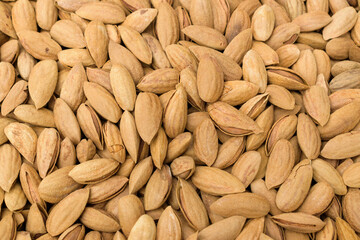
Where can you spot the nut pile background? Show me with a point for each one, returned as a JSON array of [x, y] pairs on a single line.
[[180, 119]]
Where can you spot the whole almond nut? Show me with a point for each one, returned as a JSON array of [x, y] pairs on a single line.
[[146, 105], [16, 96], [99, 220], [7, 73], [123, 87], [6, 25], [139, 47], [210, 79], [227, 228], [38, 45], [328, 230], [72, 88], [293, 191], [8, 226], [130, 135], [23, 16], [66, 122], [159, 81], [349, 204], [284, 128], [323, 171], [239, 45], [42, 82], [140, 19], [25, 62], [286, 33], [206, 36], [339, 147], [263, 22], [342, 21], [158, 148], [299, 222], [318, 109], [57, 185], [342, 81], [344, 230], [96, 94], [254, 70], [46, 14], [175, 112], [280, 164], [306, 67], [338, 48], [188, 79], [256, 105], [312, 21], [343, 115], [351, 176], [232, 70], [10, 51], [97, 42], [67, 211], [105, 169], [130, 209], [94, 10], [158, 188], [184, 21], [239, 21], [308, 137], [252, 229], [180, 57], [253, 205], [178, 146], [229, 152], [265, 120], [121, 55], [205, 178], [36, 222], [201, 13], [140, 175], [231, 121], [287, 78], [246, 167], [238, 92], [144, 228], [71, 57], [30, 180], [47, 149], [11, 162], [168, 225], [167, 26], [23, 138], [107, 189], [38, 117], [288, 55], [189, 201], [280, 97], [321, 191], [268, 55]]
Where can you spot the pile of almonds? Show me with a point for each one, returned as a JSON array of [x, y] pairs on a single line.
[[180, 119]]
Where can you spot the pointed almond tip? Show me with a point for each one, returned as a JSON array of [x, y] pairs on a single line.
[[131, 190], [258, 130], [268, 185]]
